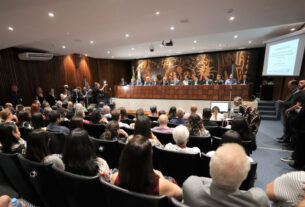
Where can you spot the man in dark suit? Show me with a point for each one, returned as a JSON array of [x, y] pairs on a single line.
[[206, 116], [76, 95], [147, 81], [123, 82], [207, 80], [98, 93], [195, 81], [164, 81], [244, 80], [15, 98]]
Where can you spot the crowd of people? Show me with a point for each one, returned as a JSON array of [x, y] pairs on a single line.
[[194, 80], [229, 164]]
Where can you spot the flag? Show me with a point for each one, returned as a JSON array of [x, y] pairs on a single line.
[[133, 76], [139, 74]]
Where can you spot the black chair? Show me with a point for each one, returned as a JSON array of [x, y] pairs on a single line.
[[65, 123], [42, 178], [203, 143], [94, 130], [205, 165], [57, 142], [247, 146], [108, 150], [216, 131], [154, 124], [164, 138], [88, 117], [172, 125], [176, 203], [79, 190], [177, 164], [116, 196], [250, 180], [129, 131], [219, 123], [24, 132], [215, 142], [12, 170], [127, 121], [6, 188], [121, 146], [153, 118], [131, 116]]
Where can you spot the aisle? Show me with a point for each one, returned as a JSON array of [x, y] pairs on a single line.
[[269, 152]]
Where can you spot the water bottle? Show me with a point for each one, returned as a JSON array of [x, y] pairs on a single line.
[[15, 202]]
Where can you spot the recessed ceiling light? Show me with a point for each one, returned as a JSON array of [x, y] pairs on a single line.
[[126, 35], [63, 47], [108, 52], [249, 41], [161, 45], [193, 48], [132, 48], [231, 18], [51, 14], [112, 56], [292, 29], [86, 55], [91, 42], [235, 36], [157, 13], [10, 28], [195, 41], [172, 28], [219, 45]]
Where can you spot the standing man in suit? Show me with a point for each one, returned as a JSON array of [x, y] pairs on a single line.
[[244, 80], [15, 98], [98, 93]]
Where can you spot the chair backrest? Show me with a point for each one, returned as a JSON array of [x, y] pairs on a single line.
[[154, 124], [250, 180], [121, 145], [176, 203], [205, 165], [117, 196], [94, 130], [80, 191], [24, 132], [153, 118], [215, 142], [129, 131], [164, 138], [172, 125], [131, 116], [88, 117], [11, 168], [65, 123], [216, 130], [127, 121], [42, 179], [247, 146], [177, 165], [203, 143], [57, 142], [219, 123], [108, 150]]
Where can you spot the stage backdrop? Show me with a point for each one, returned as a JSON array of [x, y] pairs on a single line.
[[245, 61]]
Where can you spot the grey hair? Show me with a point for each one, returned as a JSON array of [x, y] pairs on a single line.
[[181, 134]]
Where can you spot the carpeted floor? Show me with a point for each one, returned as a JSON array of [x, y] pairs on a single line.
[[269, 153]]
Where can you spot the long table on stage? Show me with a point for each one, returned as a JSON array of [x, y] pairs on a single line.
[[199, 92]]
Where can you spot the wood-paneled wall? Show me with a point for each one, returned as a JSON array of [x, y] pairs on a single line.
[[68, 69]]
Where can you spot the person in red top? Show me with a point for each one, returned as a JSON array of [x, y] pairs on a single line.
[[136, 171]]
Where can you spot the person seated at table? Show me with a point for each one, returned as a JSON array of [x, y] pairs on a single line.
[[163, 128], [244, 80], [139, 82], [207, 80], [123, 82], [231, 80], [195, 126], [181, 138], [175, 81], [147, 81], [179, 119], [186, 80], [216, 115], [206, 117], [155, 82], [195, 81], [136, 171], [218, 80], [164, 81], [133, 82]]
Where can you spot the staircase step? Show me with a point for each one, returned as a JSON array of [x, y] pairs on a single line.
[[266, 112], [266, 108], [269, 117]]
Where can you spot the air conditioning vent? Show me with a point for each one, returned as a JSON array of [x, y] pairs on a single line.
[[35, 56]]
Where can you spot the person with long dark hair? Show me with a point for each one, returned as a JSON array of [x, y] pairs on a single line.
[[172, 112], [79, 157], [195, 126], [10, 139], [143, 127], [37, 120], [38, 149], [113, 131], [136, 171]]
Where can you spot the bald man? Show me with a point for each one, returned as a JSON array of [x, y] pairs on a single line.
[[179, 120], [193, 110], [163, 128], [229, 167]]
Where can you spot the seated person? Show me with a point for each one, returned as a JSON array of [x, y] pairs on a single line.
[[195, 126], [96, 117], [175, 81], [24, 119], [7, 116], [288, 189], [164, 81], [195, 81], [207, 80], [142, 127], [79, 157], [229, 136], [133, 82], [10, 139], [153, 111], [206, 116], [116, 116], [6, 201], [244, 80], [76, 122], [161, 112], [147, 81], [106, 111], [136, 171], [113, 131], [179, 119], [186, 81], [193, 110], [229, 167], [181, 137], [216, 115], [55, 119], [37, 121], [231, 80], [123, 82], [81, 114], [38, 149], [163, 128], [139, 82], [218, 80]]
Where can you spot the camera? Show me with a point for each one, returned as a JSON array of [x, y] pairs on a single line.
[[105, 83]]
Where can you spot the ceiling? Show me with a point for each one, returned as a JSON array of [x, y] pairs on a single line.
[[77, 22]]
